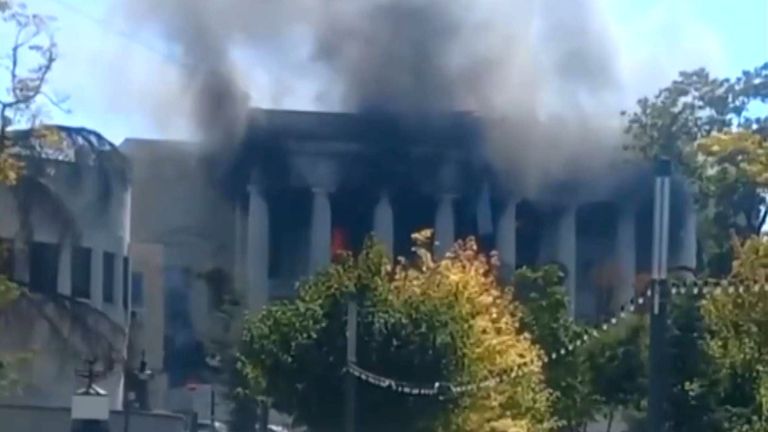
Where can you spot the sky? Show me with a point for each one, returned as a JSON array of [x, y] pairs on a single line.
[[104, 63]]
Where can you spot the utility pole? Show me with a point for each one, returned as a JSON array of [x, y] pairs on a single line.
[[350, 389], [659, 363]]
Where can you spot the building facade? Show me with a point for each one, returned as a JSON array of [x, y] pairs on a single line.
[[65, 229], [302, 185]]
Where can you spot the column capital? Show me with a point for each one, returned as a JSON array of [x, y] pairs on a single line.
[[511, 199], [254, 187], [568, 209]]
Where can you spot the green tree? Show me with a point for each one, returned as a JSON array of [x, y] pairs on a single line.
[[706, 126], [422, 321], [604, 377], [737, 339], [547, 318]]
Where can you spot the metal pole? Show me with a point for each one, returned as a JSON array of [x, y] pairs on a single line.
[[264, 415], [350, 388], [658, 367], [127, 414], [213, 407]]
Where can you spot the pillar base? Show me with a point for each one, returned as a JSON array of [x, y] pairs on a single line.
[[89, 426]]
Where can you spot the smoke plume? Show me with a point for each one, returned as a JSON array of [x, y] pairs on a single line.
[[541, 73]]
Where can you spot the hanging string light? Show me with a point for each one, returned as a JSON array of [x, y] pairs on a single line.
[[695, 287]]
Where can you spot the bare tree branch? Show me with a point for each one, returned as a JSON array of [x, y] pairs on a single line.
[[57, 103], [22, 95]]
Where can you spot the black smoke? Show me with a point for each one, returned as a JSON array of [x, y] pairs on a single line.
[[541, 73]]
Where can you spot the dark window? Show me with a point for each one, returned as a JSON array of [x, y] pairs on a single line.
[[289, 224], [137, 289], [6, 258], [43, 267], [126, 278], [81, 272], [108, 275]]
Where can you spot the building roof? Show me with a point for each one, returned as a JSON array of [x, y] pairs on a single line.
[[58, 142], [449, 129]]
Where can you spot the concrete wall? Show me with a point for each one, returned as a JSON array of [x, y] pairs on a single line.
[[27, 418], [148, 323], [60, 332], [104, 224], [176, 206], [179, 212], [57, 339]]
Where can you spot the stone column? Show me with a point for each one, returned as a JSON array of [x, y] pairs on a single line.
[[383, 223], [64, 276], [320, 231], [625, 252], [97, 276], [565, 252], [445, 230], [257, 261], [506, 236]]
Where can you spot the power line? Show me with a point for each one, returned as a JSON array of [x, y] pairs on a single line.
[[104, 25]]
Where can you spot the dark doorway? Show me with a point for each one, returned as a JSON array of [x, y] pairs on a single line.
[[412, 212], [529, 232], [597, 275], [351, 219], [290, 213]]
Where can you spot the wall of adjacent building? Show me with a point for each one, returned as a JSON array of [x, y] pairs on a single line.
[[179, 212], [48, 327], [24, 418], [148, 323]]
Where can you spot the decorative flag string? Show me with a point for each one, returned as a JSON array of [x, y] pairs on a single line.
[[704, 287]]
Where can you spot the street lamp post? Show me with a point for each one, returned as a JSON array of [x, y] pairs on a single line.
[[350, 384], [90, 405], [657, 380]]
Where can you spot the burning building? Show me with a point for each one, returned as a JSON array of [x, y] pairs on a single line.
[[304, 185]]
